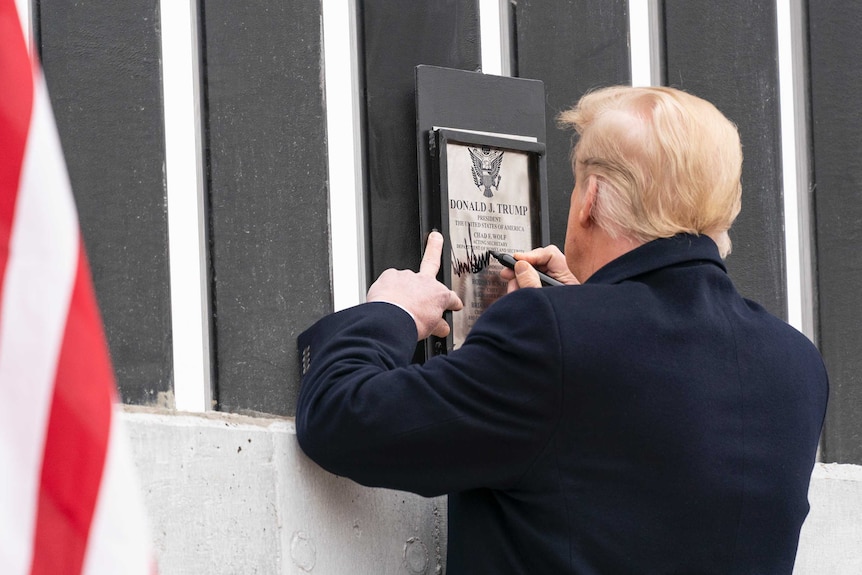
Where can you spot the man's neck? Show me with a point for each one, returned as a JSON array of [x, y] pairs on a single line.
[[602, 249]]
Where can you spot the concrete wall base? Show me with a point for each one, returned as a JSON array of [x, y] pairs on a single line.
[[831, 538], [235, 495]]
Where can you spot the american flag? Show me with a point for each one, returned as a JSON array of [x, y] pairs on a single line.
[[69, 498]]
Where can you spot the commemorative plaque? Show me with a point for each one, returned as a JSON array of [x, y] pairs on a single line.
[[482, 182], [491, 200]]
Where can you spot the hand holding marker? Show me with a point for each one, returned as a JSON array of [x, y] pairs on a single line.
[[508, 261]]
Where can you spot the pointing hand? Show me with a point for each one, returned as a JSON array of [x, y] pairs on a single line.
[[419, 293]]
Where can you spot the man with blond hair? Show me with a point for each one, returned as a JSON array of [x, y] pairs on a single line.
[[644, 418]]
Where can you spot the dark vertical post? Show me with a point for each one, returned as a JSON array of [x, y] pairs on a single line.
[[266, 151], [727, 53], [396, 37], [836, 98], [572, 46], [102, 64]]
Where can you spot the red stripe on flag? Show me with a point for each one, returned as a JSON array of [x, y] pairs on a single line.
[[16, 105], [77, 437], [72, 504]]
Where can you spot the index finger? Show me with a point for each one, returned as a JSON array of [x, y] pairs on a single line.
[[431, 258], [536, 257]]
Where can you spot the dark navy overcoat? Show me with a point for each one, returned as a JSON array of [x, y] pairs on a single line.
[[649, 421]]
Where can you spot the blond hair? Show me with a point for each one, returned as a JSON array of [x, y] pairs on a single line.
[[666, 162]]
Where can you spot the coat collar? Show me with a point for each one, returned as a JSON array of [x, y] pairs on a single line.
[[658, 254]]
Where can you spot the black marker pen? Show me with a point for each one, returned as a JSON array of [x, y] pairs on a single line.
[[508, 261]]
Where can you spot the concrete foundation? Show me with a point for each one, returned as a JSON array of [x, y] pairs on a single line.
[[831, 538], [235, 495]]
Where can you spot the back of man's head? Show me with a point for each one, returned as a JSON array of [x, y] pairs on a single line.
[[666, 162]]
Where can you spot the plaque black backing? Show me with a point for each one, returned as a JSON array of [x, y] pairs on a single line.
[[461, 100]]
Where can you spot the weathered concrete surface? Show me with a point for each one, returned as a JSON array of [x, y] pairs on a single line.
[[235, 496], [831, 538]]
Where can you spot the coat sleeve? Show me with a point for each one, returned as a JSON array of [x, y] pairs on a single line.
[[478, 417]]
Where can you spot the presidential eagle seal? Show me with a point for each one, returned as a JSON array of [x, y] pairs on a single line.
[[486, 169]]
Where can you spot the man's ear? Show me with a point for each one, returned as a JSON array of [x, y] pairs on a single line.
[[585, 214]]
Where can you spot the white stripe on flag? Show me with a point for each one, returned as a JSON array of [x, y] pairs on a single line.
[[119, 535], [37, 289]]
